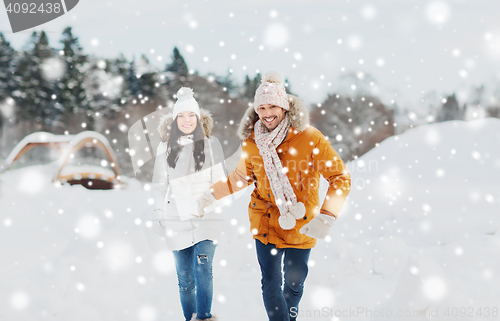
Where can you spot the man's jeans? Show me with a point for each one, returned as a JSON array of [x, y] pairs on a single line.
[[194, 272], [282, 305]]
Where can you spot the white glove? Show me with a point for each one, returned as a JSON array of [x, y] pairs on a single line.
[[206, 203], [158, 221], [318, 227]]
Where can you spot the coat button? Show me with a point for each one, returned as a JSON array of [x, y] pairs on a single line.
[[268, 195], [305, 217], [253, 205], [264, 235]]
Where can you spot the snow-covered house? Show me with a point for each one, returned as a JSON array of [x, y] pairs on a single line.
[[85, 158]]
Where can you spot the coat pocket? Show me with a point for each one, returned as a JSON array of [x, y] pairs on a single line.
[[257, 212]]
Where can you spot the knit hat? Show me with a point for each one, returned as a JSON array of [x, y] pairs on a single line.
[[185, 102], [271, 92]]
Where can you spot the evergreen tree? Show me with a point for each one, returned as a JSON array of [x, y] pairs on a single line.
[[71, 92], [450, 110], [147, 78], [247, 87], [7, 63], [256, 82], [178, 65], [94, 86], [250, 86], [35, 94], [119, 67], [288, 87], [104, 88], [131, 80], [227, 82]]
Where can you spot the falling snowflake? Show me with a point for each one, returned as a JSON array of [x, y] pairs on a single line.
[[163, 262], [354, 42], [32, 182], [437, 12], [434, 288], [53, 69], [147, 313], [19, 300], [322, 297], [369, 12], [117, 255], [88, 226], [276, 36]]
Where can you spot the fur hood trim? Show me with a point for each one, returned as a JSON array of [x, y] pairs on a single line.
[[166, 123], [298, 114]]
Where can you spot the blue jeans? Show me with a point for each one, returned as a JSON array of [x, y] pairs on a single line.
[[282, 304], [194, 273]]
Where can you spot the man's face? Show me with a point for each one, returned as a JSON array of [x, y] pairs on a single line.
[[270, 115]]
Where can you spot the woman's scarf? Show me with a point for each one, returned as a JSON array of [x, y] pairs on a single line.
[[185, 139]]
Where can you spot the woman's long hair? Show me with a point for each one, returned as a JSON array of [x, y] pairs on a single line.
[[174, 147]]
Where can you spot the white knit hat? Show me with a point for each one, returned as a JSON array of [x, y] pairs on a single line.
[[271, 92], [185, 102]]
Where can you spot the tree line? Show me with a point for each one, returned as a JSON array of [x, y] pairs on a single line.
[[62, 89]]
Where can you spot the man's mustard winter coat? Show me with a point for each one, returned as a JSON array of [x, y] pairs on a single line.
[[305, 154]]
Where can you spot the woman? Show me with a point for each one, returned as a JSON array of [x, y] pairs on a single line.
[[188, 162]]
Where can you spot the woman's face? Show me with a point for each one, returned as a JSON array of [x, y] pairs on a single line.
[[186, 121]]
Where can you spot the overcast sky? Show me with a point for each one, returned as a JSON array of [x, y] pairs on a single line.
[[407, 46]]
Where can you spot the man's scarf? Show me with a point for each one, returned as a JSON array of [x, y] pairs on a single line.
[[267, 142]]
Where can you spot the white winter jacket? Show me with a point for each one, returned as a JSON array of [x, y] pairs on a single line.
[[176, 190]]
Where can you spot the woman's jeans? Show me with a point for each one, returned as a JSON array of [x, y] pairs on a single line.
[[194, 273], [282, 304]]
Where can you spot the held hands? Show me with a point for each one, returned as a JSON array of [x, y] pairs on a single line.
[[319, 226], [206, 203]]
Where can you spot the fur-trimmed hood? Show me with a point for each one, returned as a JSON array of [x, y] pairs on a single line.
[[167, 120], [298, 115]]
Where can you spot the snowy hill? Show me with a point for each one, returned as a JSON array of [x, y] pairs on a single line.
[[419, 232]]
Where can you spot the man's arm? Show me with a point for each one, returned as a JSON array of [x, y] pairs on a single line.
[[237, 180], [333, 169]]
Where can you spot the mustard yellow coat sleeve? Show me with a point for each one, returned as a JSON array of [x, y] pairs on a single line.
[[238, 179], [332, 168]]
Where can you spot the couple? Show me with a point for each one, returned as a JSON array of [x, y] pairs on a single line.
[[284, 157]]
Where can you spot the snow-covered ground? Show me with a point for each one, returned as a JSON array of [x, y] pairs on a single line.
[[419, 232]]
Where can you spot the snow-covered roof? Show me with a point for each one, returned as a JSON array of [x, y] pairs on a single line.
[[70, 144], [80, 140], [36, 138]]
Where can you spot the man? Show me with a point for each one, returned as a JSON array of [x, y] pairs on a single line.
[[284, 156]]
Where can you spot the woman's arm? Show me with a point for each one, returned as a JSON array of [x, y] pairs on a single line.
[[218, 166], [160, 181]]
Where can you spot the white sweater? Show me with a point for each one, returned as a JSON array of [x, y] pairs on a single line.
[[175, 191]]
